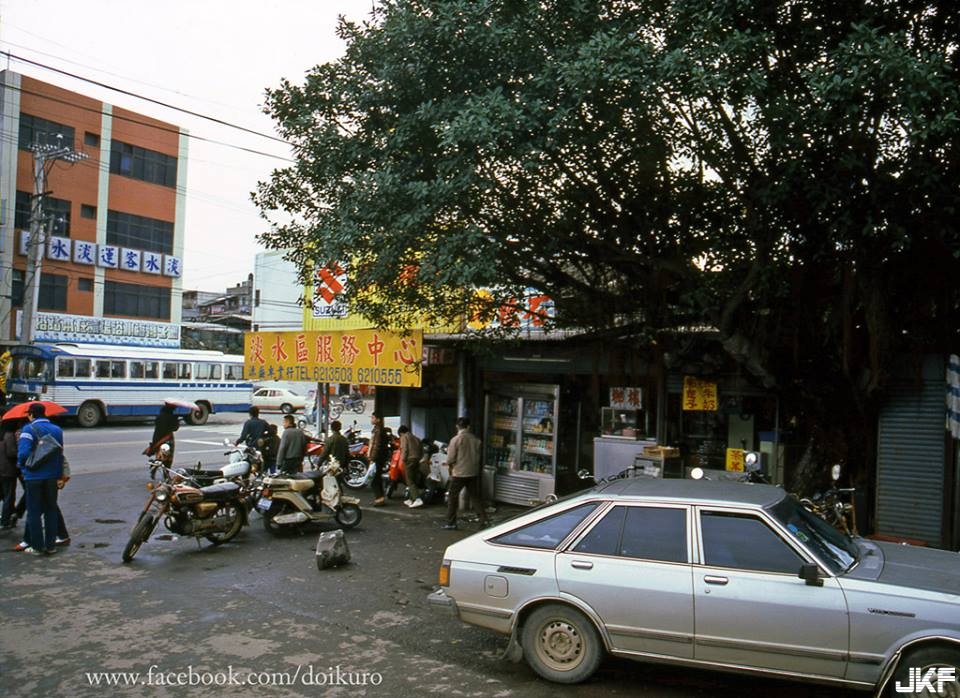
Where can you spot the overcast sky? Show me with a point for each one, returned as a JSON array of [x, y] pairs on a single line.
[[213, 57]]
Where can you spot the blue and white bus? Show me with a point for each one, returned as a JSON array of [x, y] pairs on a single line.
[[96, 382]]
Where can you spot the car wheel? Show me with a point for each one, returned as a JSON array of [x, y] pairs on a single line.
[[561, 644], [286, 408], [927, 659]]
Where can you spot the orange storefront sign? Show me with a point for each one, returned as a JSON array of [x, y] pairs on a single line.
[[361, 357]]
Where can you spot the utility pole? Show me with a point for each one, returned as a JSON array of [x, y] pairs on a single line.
[[44, 157]]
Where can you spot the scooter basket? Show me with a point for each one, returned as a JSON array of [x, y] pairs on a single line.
[[332, 550]]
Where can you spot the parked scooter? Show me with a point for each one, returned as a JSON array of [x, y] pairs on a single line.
[[216, 512], [313, 496], [836, 505]]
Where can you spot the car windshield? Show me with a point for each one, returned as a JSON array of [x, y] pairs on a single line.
[[834, 548]]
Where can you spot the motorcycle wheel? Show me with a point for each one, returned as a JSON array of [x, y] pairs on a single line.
[[228, 510], [277, 509], [358, 407], [139, 535], [355, 474], [335, 410], [349, 515]]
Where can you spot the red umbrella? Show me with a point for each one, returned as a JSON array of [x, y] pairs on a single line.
[[178, 402], [19, 411]]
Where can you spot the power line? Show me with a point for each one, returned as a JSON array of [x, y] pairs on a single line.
[[147, 99]]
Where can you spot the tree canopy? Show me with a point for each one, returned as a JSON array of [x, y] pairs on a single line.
[[783, 171]]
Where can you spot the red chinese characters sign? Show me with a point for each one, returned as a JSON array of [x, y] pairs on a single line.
[[361, 357], [699, 394]]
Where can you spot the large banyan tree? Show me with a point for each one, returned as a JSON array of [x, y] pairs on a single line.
[[785, 172]]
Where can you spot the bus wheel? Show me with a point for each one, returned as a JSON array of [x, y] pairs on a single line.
[[199, 415], [89, 414]]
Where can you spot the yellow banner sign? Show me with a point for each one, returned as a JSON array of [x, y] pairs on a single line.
[[359, 357], [735, 460], [699, 394]]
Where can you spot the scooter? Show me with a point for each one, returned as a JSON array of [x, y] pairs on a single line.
[[313, 496], [216, 512]]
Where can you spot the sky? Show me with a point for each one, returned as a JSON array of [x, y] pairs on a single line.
[[212, 57]]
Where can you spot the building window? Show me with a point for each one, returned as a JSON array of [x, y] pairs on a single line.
[[88, 211], [37, 131], [56, 212], [53, 292], [140, 163], [139, 232], [16, 290], [91, 139], [135, 300], [84, 284]]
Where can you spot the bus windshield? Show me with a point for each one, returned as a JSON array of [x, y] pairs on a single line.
[[27, 368]]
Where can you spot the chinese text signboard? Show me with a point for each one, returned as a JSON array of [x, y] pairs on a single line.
[[360, 357], [735, 461], [626, 398], [699, 395]]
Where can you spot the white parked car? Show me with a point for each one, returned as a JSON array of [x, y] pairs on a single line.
[[273, 399]]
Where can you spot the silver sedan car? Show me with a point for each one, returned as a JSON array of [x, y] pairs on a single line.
[[722, 575]]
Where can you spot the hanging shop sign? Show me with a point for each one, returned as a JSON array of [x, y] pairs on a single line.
[[60, 327], [735, 460], [361, 357], [699, 395], [60, 249], [626, 398]]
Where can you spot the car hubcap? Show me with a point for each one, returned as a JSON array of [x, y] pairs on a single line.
[[561, 646]]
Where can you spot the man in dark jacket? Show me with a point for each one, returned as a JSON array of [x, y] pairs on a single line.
[[8, 474], [254, 429], [293, 444], [40, 482], [336, 445]]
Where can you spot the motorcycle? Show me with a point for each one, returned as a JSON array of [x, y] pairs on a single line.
[[352, 402], [836, 505], [216, 512], [312, 496]]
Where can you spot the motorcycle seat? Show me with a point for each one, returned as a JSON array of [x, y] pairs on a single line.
[[314, 475], [220, 492]]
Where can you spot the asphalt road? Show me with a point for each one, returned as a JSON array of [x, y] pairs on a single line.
[[255, 617]]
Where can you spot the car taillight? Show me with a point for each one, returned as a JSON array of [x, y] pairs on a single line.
[[445, 574]]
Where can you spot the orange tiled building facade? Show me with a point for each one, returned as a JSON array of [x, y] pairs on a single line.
[[112, 222]]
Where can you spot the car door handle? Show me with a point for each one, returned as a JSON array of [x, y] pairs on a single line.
[[719, 581], [582, 565]]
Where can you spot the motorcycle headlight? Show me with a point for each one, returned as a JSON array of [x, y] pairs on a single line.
[[161, 496]]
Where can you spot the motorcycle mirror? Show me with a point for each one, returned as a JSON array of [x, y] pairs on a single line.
[[697, 473], [584, 474], [226, 442], [835, 472], [751, 461]]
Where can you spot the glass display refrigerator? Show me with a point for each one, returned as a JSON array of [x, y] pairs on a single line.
[[520, 441]]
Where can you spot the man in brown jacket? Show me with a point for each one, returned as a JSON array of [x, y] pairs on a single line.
[[463, 460]]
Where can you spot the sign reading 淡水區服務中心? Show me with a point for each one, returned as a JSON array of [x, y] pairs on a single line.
[[361, 357]]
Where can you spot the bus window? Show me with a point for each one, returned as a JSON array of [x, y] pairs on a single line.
[[82, 368], [151, 369], [207, 371], [118, 369], [185, 371], [136, 369], [169, 371], [65, 368], [234, 372], [103, 368]]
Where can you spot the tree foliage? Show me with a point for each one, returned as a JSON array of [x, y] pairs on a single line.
[[783, 171]]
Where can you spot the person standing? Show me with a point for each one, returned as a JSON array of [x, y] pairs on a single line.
[[377, 452], [254, 429], [293, 444], [337, 446], [411, 450], [271, 444], [8, 474], [463, 460], [166, 423], [40, 482]]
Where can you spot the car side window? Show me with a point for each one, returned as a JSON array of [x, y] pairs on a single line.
[[645, 533], [745, 542], [655, 533], [550, 532], [604, 537]]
